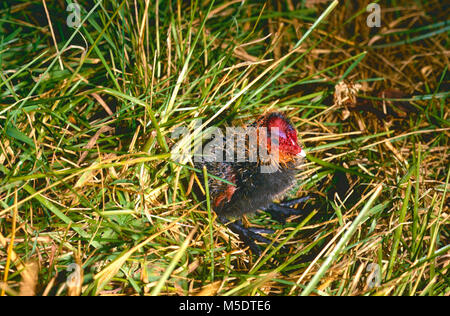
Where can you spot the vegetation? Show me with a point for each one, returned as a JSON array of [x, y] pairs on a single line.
[[87, 179]]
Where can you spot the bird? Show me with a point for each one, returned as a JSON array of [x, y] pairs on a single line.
[[253, 184]]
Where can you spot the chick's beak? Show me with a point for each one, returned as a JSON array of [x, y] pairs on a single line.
[[301, 154]]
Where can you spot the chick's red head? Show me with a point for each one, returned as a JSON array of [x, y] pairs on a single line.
[[280, 127]]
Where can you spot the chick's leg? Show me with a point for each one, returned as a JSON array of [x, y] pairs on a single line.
[[248, 235], [283, 210]]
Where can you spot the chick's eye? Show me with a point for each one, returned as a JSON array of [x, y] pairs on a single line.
[[278, 133]]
